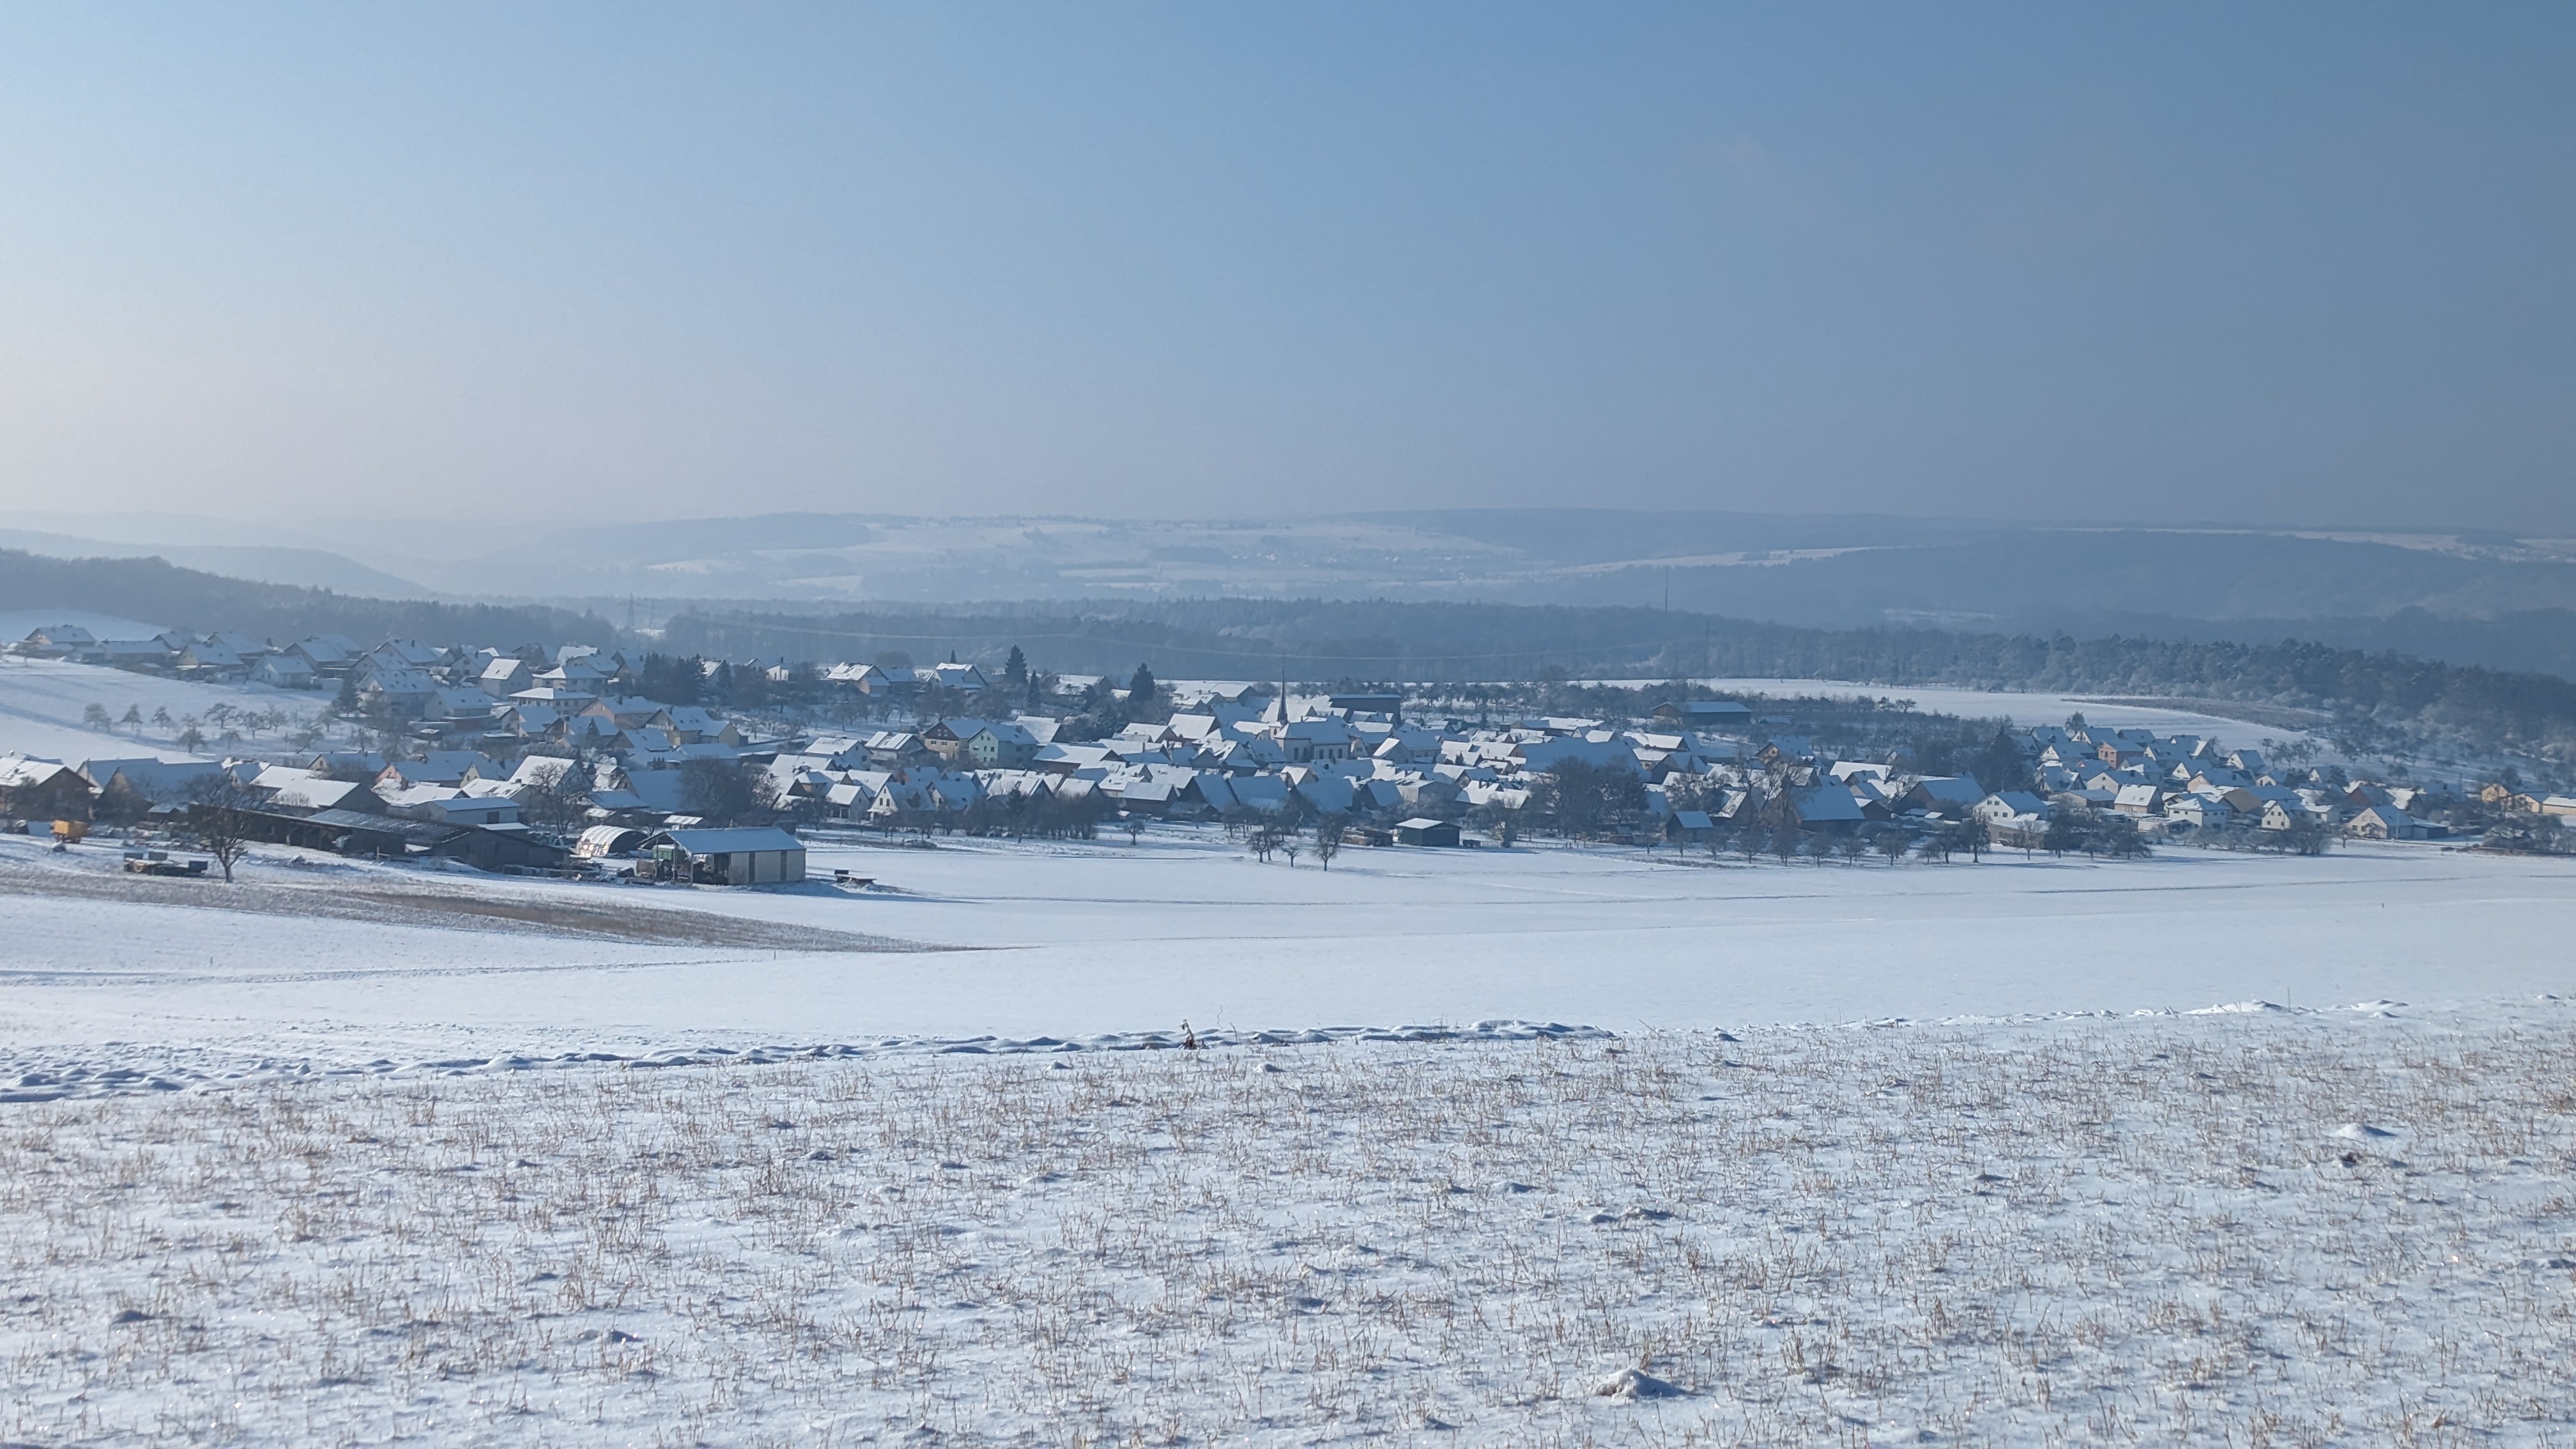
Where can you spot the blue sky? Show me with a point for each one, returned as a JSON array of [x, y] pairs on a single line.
[[2294, 265]]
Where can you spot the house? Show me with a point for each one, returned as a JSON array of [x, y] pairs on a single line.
[[348, 764], [143, 655], [2012, 809], [43, 790], [849, 800], [61, 641], [1328, 794], [409, 654], [947, 738], [2289, 810], [285, 671], [1689, 826], [460, 706], [1826, 807], [575, 675], [879, 681], [754, 855], [1423, 830], [327, 654], [505, 676], [205, 659], [439, 767], [965, 678], [2201, 811], [1261, 794], [2384, 822], [2141, 800], [1001, 746], [1538, 757], [1948, 796], [399, 693], [696, 726]]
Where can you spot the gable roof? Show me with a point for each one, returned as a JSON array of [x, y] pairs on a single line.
[[708, 841]]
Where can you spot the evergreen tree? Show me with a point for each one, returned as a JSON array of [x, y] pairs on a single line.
[[1141, 688]]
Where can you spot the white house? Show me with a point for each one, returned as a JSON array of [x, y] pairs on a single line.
[[2012, 809], [284, 671], [2383, 822]]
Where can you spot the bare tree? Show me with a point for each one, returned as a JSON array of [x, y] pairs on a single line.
[[1328, 838], [554, 797], [219, 810], [716, 791]]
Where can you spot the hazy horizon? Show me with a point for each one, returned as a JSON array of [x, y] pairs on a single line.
[[2303, 268]]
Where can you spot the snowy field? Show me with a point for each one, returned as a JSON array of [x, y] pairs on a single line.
[[2283, 1228], [2021, 707], [1109, 938], [41, 702], [17, 624], [2203, 1148]]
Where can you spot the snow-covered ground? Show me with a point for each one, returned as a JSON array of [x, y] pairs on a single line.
[[2241, 1228], [1080, 940], [2019, 706], [2004, 1152], [42, 700], [17, 624]]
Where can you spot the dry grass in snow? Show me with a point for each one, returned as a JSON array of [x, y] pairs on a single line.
[[2328, 1228]]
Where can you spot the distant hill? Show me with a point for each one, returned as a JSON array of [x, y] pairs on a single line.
[[2372, 696], [1833, 572], [310, 568], [152, 588]]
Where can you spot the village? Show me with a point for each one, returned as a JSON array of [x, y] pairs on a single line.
[[581, 761]]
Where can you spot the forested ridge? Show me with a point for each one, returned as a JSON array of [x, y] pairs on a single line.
[[159, 592], [2366, 693]]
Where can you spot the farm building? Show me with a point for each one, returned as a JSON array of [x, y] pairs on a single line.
[[1426, 831], [750, 855]]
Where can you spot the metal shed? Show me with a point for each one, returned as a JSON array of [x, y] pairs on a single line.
[[746, 855]]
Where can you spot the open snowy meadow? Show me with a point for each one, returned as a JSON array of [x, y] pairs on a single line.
[[2238, 1228], [1542, 1145]]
